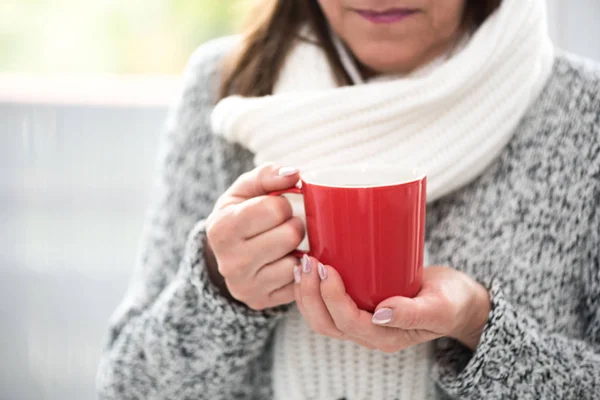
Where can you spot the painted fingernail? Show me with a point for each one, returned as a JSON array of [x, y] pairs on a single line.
[[322, 271], [287, 171], [306, 264], [382, 316], [297, 274]]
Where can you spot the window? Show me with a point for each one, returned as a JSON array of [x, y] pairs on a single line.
[[108, 36], [84, 85]]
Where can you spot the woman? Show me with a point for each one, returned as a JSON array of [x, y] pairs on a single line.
[[472, 91]]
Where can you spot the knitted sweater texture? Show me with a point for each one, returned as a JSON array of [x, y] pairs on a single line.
[[528, 228]]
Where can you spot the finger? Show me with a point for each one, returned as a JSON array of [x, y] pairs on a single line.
[[433, 308], [248, 257], [261, 181], [276, 243], [300, 305], [314, 309], [259, 214], [357, 324], [423, 313], [276, 275], [297, 288], [346, 315], [284, 295]]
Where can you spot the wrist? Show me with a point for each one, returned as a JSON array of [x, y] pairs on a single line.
[[212, 268], [470, 331]]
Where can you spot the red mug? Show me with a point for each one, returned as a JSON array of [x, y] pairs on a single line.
[[369, 224]]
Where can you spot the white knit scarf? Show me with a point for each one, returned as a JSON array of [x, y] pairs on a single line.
[[450, 119]]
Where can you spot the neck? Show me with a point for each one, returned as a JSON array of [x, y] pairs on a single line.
[[446, 48]]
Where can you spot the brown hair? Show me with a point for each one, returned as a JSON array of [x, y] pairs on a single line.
[[272, 27]]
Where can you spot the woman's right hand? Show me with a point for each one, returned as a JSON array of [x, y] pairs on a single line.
[[250, 237]]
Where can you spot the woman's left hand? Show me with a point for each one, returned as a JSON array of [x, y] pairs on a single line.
[[450, 303]]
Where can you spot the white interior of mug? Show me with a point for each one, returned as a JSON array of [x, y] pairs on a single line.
[[362, 176]]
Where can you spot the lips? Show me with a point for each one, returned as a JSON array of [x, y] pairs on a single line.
[[386, 16]]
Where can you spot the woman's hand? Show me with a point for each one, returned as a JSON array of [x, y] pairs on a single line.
[[250, 236], [450, 303]]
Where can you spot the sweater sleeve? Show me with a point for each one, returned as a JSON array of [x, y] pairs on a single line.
[[174, 336], [518, 359]]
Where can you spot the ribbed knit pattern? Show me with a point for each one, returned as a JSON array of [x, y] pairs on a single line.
[[451, 123], [309, 366]]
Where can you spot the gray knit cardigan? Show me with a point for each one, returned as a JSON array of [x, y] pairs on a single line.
[[528, 228]]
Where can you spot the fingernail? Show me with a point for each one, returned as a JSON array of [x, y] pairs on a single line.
[[297, 274], [322, 271], [382, 316], [287, 171], [306, 264]]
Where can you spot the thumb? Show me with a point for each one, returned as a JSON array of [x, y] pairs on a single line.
[[411, 313], [263, 180]]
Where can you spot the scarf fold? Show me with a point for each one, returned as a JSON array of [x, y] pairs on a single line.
[[450, 119]]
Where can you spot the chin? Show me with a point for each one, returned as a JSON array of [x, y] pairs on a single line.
[[391, 60]]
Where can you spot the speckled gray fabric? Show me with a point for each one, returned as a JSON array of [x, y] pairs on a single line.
[[528, 228]]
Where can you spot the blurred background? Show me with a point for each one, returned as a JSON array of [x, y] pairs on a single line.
[[84, 90]]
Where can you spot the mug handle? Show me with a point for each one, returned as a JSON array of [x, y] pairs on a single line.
[[293, 190]]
